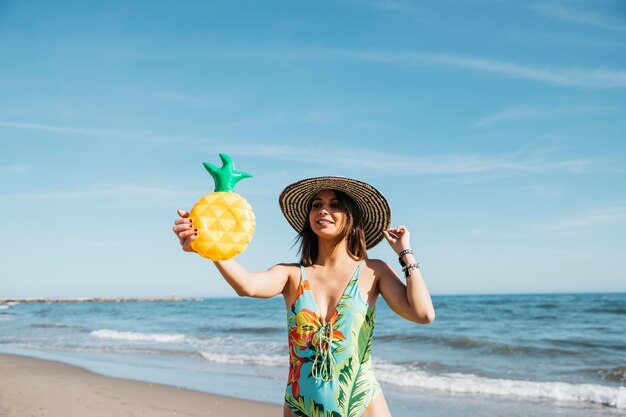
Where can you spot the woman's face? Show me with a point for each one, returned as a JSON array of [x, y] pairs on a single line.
[[326, 216]]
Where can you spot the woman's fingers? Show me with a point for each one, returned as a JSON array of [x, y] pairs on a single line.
[[187, 233], [184, 229], [390, 235], [187, 243], [397, 232], [185, 220], [397, 237], [183, 226]]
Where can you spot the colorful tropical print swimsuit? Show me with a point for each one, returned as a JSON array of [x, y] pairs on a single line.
[[330, 369]]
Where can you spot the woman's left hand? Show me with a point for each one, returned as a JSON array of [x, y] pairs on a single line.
[[398, 238]]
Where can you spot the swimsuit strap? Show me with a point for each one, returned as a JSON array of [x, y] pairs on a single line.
[[355, 277], [304, 280], [303, 276]]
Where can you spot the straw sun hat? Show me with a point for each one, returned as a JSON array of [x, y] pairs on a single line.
[[295, 202]]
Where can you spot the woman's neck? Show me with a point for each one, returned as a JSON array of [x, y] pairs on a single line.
[[332, 253]]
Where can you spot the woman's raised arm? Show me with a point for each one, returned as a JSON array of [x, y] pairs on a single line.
[[246, 284], [254, 284], [411, 301]]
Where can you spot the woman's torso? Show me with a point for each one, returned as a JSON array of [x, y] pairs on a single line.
[[329, 347]]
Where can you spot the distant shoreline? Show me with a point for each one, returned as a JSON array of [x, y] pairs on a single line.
[[175, 298], [95, 299]]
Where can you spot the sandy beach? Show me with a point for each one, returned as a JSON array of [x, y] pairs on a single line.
[[32, 388]]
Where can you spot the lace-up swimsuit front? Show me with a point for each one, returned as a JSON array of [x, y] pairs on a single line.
[[330, 369]]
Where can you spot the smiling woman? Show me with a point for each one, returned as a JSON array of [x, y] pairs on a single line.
[[333, 214], [331, 294]]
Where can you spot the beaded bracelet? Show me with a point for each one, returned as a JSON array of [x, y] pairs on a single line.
[[401, 254], [407, 269]]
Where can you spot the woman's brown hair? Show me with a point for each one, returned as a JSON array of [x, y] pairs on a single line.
[[352, 231]]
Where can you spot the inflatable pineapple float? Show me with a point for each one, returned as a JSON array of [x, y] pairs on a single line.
[[224, 219]]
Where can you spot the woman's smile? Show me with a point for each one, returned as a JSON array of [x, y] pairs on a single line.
[[325, 212]]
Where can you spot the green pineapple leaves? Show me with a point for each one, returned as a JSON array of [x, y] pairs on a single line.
[[226, 176]]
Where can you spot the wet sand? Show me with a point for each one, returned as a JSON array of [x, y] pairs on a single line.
[[36, 388]]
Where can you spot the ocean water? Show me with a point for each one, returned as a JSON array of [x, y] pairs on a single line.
[[487, 355]]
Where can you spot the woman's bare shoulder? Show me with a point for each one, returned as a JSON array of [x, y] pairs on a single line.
[[378, 266], [287, 268], [287, 265]]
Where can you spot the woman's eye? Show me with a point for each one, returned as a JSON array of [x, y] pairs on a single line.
[[334, 206]]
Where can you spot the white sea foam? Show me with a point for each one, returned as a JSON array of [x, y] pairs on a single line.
[[236, 343], [4, 307], [242, 359], [473, 384], [139, 337]]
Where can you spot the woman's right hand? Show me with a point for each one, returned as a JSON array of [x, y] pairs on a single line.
[[183, 228]]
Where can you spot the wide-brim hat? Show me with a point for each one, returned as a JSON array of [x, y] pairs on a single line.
[[295, 201]]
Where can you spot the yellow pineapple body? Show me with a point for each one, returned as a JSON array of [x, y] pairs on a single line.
[[225, 223]]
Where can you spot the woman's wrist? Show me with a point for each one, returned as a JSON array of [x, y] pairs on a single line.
[[409, 268], [407, 261], [406, 257]]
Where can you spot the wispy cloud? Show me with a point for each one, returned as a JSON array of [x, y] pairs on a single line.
[[14, 168], [192, 101], [546, 191], [590, 219], [467, 163], [572, 254], [401, 6], [574, 77], [320, 116], [126, 192], [61, 129], [529, 112], [271, 120], [569, 14], [385, 5], [91, 132], [358, 159], [565, 77]]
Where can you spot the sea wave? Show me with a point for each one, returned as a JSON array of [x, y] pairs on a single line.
[[242, 329], [235, 344], [473, 384], [470, 343], [6, 316], [243, 359], [257, 330], [4, 307], [613, 374], [581, 343], [53, 326], [607, 310], [138, 337]]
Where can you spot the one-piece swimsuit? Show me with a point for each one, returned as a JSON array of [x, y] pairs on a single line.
[[330, 368]]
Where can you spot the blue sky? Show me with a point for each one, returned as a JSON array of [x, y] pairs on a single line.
[[496, 129]]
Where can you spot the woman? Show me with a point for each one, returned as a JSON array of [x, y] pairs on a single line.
[[331, 295]]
